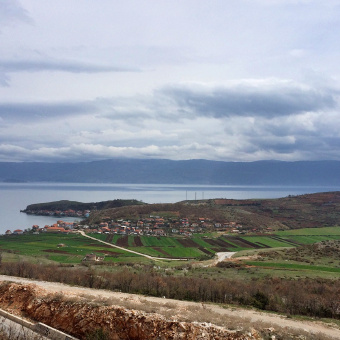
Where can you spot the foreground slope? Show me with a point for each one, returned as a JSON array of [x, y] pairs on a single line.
[[126, 316]]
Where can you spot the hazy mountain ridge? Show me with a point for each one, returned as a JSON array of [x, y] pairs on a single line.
[[151, 171]]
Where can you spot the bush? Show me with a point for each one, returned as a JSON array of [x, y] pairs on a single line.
[[98, 334]]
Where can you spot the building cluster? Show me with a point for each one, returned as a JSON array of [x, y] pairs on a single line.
[[152, 226], [59, 227], [60, 213], [159, 226]]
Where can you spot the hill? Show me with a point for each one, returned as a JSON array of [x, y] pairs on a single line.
[[74, 205], [303, 211], [162, 171]]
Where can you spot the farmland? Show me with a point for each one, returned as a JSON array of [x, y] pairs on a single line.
[[71, 248], [206, 245], [52, 247], [192, 230]]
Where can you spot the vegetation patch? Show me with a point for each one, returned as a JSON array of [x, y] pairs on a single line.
[[187, 243], [138, 241], [57, 251], [123, 241], [291, 266], [316, 298], [161, 251]]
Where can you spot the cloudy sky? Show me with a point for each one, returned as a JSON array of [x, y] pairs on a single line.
[[230, 80]]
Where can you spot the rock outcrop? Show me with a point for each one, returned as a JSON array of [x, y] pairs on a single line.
[[79, 318]]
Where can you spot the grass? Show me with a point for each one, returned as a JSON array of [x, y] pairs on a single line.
[[153, 241], [268, 241], [45, 246], [292, 266], [310, 239], [326, 231]]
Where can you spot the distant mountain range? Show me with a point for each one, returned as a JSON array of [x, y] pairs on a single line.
[[152, 171]]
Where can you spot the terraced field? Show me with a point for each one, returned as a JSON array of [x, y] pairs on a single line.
[[205, 246], [72, 248]]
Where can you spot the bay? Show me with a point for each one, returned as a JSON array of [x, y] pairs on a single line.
[[16, 196]]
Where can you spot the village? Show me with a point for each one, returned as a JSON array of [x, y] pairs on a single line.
[[152, 226], [59, 213]]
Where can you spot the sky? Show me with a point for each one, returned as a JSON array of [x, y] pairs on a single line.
[[225, 80]]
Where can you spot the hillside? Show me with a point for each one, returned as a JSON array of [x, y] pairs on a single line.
[[162, 171], [304, 211], [74, 205]]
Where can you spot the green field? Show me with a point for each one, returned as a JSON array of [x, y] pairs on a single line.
[[206, 245], [199, 246], [327, 231], [46, 246], [292, 266]]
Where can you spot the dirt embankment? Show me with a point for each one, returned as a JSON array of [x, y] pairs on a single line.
[[79, 318]]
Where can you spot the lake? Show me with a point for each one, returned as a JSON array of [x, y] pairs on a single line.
[[16, 196]]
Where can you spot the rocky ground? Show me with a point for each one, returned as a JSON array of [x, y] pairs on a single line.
[[80, 311]]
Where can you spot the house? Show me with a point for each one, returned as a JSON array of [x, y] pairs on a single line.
[[8, 232], [159, 232], [92, 257], [18, 232], [55, 229]]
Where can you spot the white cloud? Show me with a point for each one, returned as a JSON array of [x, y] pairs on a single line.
[[225, 80]]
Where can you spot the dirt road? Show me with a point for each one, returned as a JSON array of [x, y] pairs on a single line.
[[180, 308]]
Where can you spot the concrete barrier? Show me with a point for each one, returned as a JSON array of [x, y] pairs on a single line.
[[51, 333], [16, 319], [40, 328]]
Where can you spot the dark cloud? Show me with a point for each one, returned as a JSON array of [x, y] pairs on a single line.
[[59, 66], [112, 109], [33, 111], [249, 101], [12, 12], [150, 126], [288, 142], [4, 80]]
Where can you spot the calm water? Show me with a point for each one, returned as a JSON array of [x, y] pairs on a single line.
[[15, 197]]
